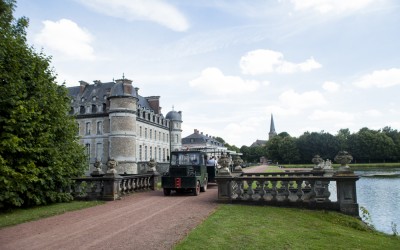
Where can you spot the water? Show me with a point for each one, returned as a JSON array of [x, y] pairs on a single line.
[[381, 197]]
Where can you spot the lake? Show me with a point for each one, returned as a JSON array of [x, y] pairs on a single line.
[[380, 195]]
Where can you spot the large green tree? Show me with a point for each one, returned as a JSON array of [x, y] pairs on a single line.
[[39, 152]]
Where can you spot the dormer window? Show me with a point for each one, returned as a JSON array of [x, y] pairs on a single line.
[[105, 97], [82, 99], [94, 98]]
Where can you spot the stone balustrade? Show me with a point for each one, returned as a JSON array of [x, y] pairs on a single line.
[[113, 186], [309, 189]]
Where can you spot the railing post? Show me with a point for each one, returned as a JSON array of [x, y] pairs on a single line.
[[346, 185], [111, 186], [224, 179], [347, 195]]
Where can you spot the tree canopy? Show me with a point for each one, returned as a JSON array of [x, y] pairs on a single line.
[[39, 151]]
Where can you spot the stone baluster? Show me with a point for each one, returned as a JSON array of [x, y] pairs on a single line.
[[299, 192], [285, 190], [256, 196], [274, 192]]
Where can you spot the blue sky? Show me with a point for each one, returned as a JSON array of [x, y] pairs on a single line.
[[316, 65]]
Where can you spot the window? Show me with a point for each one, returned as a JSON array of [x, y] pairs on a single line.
[[104, 107], [99, 128], [71, 111], [94, 98], [94, 108], [151, 153], [191, 140], [82, 99], [88, 128], [151, 134], [155, 135], [163, 136], [88, 154], [140, 131], [159, 136], [145, 153], [140, 152], [145, 133], [82, 109], [77, 128], [163, 154], [176, 137], [99, 151], [159, 153]]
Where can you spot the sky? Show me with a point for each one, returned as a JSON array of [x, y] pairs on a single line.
[[316, 65]]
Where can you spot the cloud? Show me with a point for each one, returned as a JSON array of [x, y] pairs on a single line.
[[319, 115], [373, 113], [148, 10], [330, 86], [380, 79], [330, 6], [66, 37], [213, 82], [263, 61], [292, 103]]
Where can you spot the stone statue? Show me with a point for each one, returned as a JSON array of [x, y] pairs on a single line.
[[344, 158], [224, 162], [237, 163], [97, 171], [318, 162], [152, 165], [112, 164]]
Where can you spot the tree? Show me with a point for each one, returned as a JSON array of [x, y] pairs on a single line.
[[39, 151]]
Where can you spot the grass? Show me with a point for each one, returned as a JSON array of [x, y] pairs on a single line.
[[263, 227], [21, 215], [352, 165]]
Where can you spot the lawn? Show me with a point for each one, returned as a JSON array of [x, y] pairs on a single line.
[[20, 215], [263, 227]]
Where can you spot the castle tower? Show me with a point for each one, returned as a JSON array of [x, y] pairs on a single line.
[[122, 114], [272, 131], [175, 128]]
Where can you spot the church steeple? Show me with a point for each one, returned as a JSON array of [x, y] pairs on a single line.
[[272, 131]]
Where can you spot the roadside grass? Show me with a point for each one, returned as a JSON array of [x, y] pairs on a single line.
[[21, 215], [263, 227], [352, 165]]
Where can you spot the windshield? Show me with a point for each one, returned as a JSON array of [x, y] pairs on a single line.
[[186, 159]]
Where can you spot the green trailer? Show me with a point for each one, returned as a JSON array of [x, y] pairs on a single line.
[[187, 173]]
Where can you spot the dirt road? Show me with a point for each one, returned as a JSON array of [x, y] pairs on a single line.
[[141, 221]]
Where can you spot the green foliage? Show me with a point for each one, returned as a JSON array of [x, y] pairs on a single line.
[[39, 151]]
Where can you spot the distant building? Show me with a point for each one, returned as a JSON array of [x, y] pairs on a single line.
[[115, 122], [271, 134]]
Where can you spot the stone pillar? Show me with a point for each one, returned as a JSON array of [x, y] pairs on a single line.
[[236, 163], [346, 185], [224, 179], [153, 170]]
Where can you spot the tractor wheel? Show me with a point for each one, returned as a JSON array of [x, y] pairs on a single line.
[[204, 188], [167, 191], [196, 190]]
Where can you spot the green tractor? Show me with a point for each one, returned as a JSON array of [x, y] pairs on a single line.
[[187, 173]]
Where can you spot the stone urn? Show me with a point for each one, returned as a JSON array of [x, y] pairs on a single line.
[[152, 165], [97, 172], [224, 161], [237, 162], [112, 164], [317, 160], [343, 158]]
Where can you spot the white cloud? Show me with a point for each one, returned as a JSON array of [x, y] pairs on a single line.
[[213, 82], [380, 79], [330, 115], [148, 10], [267, 61], [373, 112], [330, 6], [66, 37], [330, 86], [304, 100]]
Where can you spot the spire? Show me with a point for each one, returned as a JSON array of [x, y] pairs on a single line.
[[272, 131]]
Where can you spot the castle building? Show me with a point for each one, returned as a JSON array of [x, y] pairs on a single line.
[[115, 122], [271, 134]]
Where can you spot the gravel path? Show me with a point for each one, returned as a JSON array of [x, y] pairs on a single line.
[[146, 220]]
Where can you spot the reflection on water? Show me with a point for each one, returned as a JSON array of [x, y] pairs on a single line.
[[381, 197]]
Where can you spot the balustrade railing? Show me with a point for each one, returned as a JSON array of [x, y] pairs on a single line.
[[301, 189], [112, 187]]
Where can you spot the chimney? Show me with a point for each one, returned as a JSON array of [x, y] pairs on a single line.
[[83, 86], [154, 102], [196, 131], [97, 82]]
